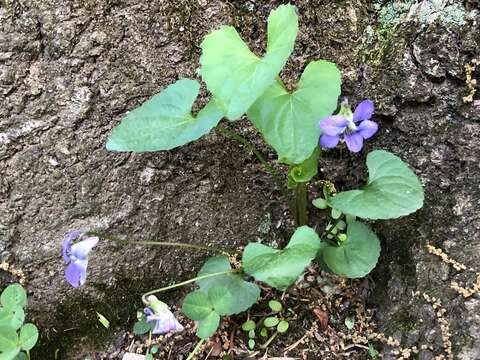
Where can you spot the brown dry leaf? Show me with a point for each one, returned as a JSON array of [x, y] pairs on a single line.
[[322, 317]]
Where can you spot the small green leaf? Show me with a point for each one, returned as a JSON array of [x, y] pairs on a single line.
[[289, 121], [264, 332], [221, 299], [248, 325], [165, 121], [271, 321], [154, 349], [197, 305], [244, 293], [336, 213], [149, 357], [103, 320], [208, 325], [236, 76], [14, 295], [8, 339], [306, 170], [282, 326], [342, 237], [372, 351], [341, 225], [393, 190], [349, 322], [251, 334], [28, 336], [356, 256], [280, 268], [320, 203], [275, 305], [142, 327], [251, 344]]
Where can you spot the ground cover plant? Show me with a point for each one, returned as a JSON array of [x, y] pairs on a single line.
[[298, 125]]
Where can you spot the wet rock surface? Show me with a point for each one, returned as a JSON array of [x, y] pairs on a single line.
[[70, 70]]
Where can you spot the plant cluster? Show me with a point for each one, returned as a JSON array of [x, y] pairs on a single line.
[[297, 125], [16, 338]]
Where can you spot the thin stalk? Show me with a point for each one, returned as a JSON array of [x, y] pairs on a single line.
[[160, 243], [330, 232], [268, 168], [195, 350], [264, 346], [300, 204], [144, 296]]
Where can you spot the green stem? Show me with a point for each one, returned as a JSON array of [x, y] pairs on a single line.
[[159, 243], [195, 350], [330, 232], [144, 296], [268, 168], [300, 204]]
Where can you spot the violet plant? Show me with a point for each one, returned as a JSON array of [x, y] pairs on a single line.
[[294, 124]]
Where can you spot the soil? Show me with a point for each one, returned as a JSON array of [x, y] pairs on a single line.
[[70, 70]]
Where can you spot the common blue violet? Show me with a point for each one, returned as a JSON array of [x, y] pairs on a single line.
[[76, 256], [164, 319], [353, 128]]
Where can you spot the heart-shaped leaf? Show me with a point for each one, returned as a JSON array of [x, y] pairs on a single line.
[[289, 121], [208, 325], [357, 255], [165, 121], [13, 296], [197, 305], [393, 190], [244, 293], [235, 75], [28, 336], [280, 268]]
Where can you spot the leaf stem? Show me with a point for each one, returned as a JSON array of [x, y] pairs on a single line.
[[268, 168], [201, 277], [159, 243], [195, 350], [300, 204]]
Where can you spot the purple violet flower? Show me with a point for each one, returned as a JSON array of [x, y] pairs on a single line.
[[164, 319], [76, 256], [353, 128]]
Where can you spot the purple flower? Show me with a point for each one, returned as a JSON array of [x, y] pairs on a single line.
[[76, 256], [164, 319], [353, 128]]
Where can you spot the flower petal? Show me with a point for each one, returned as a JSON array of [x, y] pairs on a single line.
[[81, 249], [333, 125], [164, 322], [328, 142], [364, 111], [354, 142], [76, 273], [367, 128], [67, 242]]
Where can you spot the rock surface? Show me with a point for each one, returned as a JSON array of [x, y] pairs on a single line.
[[69, 71]]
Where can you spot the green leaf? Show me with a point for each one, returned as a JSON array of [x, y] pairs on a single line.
[[349, 322], [28, 336], [251, 334], [8, 339], [103, 320], [289, 121], [142, 327], [305, 171], [221, 299], [14, 295], [249, 325], [244, 293], [280, 268], [271, 321], [149, 357], [197, 305], [235, 75], [335, 213], [208, 325], [12, 354], [372, 351], [13, 317], [264, 332], [357, 255], [275, 305], [165, 121], [320, 203], [251, 344], [393, 190], [282, 326]]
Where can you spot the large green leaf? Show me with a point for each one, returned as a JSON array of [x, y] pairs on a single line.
[[208, 325], [235, 75], [165, 121], [244, 293], [393, 190], [280, 268], [289, 121], [221, 299], [13, 296], [28, 336], [8, 338], [11, 354], [197, 305], [356, 256]]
